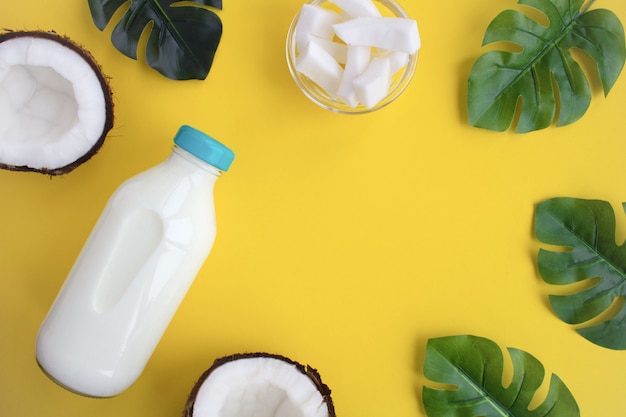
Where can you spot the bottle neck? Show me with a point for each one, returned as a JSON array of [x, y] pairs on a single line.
[[194, 160]]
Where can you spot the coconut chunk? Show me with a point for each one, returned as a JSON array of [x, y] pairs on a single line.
[[391, 33], [357, 8], [358, 59], [55, 104], [337, 50], [319, 65], [259, 385], [397, 61], [373, 85], [315, 21]]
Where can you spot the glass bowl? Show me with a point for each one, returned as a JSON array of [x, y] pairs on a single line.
[[317, 95]]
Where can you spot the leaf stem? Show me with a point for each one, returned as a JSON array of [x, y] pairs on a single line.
[[587, 6], [483, 393], [172, 29]]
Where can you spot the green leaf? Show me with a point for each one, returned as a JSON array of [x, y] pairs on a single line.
[[183, 35], [587, 229], [544, 73], [474, 367]]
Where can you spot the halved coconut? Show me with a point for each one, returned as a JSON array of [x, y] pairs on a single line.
[[259, 385], [55, 103]]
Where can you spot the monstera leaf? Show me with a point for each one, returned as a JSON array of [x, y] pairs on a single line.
[[587, 229], [544, 74], [183, 36], [473, 368]]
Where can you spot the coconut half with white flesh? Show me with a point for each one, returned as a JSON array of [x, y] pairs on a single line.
[[259, 385], [56, 106]]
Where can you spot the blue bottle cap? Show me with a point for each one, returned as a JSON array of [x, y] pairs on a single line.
[[204, 147]]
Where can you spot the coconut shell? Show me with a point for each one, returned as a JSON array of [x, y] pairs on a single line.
[[106, 91], [306, 370]]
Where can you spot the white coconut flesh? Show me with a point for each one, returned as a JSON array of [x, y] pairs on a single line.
[[52, 105], [259, 387]]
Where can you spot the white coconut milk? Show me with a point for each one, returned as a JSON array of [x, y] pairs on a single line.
[[131, 275]]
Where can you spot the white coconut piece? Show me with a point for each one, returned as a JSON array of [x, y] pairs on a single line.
[[373, 84], [397, 60], [337, 50], [318, 65], [55, 104], [259, 385], [315, 21], [358, 59], [357, 8], [391, 33]]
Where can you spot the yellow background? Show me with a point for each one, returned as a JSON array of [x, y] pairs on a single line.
[[344, 242]]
